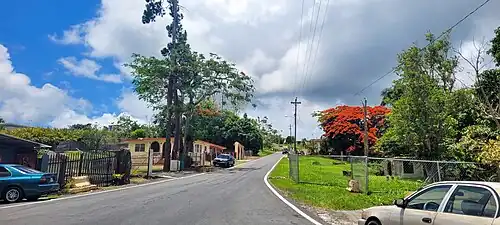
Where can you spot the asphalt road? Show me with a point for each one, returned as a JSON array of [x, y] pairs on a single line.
[[232, 197]]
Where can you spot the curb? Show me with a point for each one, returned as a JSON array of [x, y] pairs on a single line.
[[295, 208], [98, 192]]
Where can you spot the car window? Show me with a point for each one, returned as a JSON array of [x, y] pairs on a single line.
[[223, 156], [429, 199], [472, 201], [25, 169], [4, 172]]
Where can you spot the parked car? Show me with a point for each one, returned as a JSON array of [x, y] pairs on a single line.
[[18, 182], [224, 160], [284, 152], [450, 202]]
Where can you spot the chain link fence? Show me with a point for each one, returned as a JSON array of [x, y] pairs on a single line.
[[293, 165], [371, 172]]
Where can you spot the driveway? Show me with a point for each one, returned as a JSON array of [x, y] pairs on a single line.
[[237, 196]]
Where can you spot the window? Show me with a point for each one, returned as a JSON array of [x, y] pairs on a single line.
[[4, 172], [408, 167], [429, 199], [472, 201], [140, 147], [205, 149], [25, 169]]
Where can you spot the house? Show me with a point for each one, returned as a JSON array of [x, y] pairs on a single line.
[[203, 152], [239, 151], [19, 151], [405, 168]]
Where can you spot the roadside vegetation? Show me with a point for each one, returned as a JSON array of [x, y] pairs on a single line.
[[322, 184]]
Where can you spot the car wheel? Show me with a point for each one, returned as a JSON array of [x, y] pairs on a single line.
[[373, 222], [12, 194], [33, 198]]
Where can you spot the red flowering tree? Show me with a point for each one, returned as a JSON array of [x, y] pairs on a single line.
[[344, 125]]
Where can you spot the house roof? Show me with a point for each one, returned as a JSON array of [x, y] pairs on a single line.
[[211, 145], [9, 140], [163, 139]]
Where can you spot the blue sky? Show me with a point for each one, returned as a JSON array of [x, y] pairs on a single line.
[[32, 52]]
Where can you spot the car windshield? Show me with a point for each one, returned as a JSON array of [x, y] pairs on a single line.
[[25, 169], [223, 156]]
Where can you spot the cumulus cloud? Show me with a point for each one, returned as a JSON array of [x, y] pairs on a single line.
[[22, 102], [87, 68], [360, 41]]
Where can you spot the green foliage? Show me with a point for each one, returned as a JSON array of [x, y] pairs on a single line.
[[139, 133], [419, 122], [487, 89], [81, 126], [48, 136], [471, 144], [495, 47], [93, 139], [226, 128]]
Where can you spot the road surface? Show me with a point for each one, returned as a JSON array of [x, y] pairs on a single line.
[[232, 197]]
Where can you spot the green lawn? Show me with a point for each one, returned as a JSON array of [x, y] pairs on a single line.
[[323, 185]]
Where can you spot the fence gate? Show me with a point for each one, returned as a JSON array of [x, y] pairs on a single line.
[[98, 166], [293, 164]]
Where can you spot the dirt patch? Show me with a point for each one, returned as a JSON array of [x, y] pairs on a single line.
[[335, 217]]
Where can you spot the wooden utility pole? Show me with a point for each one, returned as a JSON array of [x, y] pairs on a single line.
[[295, 103], [365, 123]]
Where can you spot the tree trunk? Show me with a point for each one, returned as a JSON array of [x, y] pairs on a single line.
[[177, 126], [168, 128]]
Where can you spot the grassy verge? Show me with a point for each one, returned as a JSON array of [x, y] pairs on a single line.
[[323, 185], [265, 152]]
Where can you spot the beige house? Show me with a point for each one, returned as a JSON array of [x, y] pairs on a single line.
[[239, 151], [203, 152]]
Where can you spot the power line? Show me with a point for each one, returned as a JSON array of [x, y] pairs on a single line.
[[311, 45], [440, 36], [298, 49], [318, 43]]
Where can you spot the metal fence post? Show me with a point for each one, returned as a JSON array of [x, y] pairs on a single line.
[[366, 174], [150, 163], [439, 171]]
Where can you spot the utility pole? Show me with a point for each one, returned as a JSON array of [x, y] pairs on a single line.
[[295, 103], [365, 122]]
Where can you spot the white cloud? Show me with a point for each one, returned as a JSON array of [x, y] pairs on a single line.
[[22, 102], [87, 68], [360, 42], [70, 36]]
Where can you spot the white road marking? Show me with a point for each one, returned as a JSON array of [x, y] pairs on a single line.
[[98, 192], [300, 212]]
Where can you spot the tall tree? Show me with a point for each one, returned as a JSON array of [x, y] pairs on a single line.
[[343, 124], [495, 47], [418, 118], [191, 77]]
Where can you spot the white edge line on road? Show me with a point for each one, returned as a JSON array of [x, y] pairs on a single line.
[[315, 222], [98, 192]]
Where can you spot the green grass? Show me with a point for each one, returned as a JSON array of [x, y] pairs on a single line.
[[265, 152], [323, 185]]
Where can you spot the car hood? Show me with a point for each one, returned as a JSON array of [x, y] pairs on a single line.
[[221, 159], [380, 208]]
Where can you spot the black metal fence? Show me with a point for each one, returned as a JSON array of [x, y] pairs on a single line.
[[99, 167]]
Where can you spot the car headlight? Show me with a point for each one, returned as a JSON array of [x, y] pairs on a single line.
[[364, 214]]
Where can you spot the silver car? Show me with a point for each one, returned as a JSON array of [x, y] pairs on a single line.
[[442, 203]]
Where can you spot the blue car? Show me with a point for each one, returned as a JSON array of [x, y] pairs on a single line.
[[18, 182]]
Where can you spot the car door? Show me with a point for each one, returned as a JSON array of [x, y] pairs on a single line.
[[4, 177], [421, 207], [469, 204]]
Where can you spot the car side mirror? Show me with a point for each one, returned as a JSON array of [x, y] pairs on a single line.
[[401, 203]]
